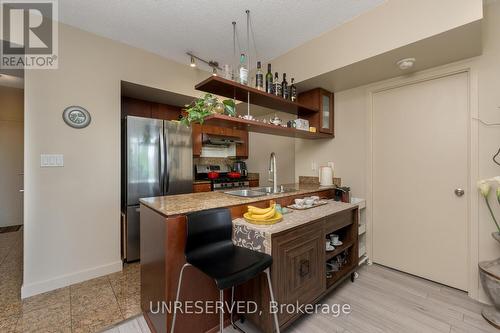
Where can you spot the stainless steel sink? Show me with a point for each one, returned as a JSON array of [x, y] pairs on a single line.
[[269, 190], [246, 193]]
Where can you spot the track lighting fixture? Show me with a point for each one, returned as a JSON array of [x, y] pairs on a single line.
[[212, 63]]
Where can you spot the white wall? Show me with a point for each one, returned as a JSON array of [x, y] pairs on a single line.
[[72, 214], [11, 155], [348, 148], [261, 147]]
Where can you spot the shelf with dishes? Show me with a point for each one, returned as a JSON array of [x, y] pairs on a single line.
[[338, 266], [338, 250], [260, 127], [341, 249], [314, 116]]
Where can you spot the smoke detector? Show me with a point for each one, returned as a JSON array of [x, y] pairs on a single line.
[[406, 63]]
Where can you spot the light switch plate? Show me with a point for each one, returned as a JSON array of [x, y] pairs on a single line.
[[51, 160]]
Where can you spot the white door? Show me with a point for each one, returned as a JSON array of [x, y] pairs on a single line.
[[420, 153]]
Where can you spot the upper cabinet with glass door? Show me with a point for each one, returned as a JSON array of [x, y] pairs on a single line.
[[321, 99]]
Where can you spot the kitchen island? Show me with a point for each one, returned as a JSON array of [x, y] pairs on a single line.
[[297, 245]]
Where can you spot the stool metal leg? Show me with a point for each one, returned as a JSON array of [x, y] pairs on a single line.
[[276, 323], [178, 294], [221, 315], [236, 327]]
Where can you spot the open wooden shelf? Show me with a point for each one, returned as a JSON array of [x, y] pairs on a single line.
[[259, 127], [230, 89], [342, 273], [338, 250]]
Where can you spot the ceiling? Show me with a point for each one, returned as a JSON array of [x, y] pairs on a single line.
[[453, 45], [170, 28]]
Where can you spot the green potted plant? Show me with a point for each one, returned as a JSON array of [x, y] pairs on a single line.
[[202, 107]]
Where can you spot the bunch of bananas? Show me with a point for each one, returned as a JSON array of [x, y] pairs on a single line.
[[262, 214]]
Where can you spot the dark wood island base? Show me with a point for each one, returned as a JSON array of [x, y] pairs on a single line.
[[298, 272]]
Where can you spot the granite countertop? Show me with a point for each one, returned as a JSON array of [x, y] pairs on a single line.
[[192, 202], [297, 217]]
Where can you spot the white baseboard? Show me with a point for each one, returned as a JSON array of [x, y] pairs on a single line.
[[28, 290]]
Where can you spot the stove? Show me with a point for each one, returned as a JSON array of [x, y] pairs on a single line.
[[229, 183], [223, 182]]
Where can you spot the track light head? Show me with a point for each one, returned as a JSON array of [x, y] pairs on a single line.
[[193, 62]]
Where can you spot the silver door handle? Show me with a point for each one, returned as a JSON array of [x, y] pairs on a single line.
[[21, 191], [161, 161], [167, 162], [459, 192]]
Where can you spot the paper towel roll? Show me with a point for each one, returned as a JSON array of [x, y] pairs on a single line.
[[325, 176]]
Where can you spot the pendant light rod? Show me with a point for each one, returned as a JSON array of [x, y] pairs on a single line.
[[248, 60]]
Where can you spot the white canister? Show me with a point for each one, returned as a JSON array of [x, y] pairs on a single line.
[[325, 176]]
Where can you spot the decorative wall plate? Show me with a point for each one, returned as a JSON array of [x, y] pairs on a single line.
[[76, 116]]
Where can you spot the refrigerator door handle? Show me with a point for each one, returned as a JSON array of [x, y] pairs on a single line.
[[161, 161], [167, 159]]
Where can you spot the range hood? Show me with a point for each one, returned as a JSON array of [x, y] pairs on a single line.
[[219, 140]]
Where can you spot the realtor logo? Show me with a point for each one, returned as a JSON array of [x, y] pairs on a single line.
[[29, 34]]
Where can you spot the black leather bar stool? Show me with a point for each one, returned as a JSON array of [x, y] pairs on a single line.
[[209, 247]]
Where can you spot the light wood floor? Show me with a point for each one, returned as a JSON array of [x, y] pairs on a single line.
[[382, 300]]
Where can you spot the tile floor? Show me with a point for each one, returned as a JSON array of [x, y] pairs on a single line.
[[90, 306]]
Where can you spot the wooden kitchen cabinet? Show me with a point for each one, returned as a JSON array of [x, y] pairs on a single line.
[[323, 100], [242, 148], [140, 108], [197, 139], [204, 187], [165, 112], [135, 107], [299, 266], [198, 131]]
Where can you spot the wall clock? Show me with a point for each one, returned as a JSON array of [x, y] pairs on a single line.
[[76, 116]]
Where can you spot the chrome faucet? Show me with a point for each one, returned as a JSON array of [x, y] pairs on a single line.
[[272, 169]]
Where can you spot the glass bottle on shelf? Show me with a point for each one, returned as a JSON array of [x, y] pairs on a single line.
[[243, 70], [269, 80], [293, 91], [277, 85], [259, 78], [284, 87]]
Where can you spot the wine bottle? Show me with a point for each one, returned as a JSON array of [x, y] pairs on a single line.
[[293, 91], [277, 85], [284, 87], [259, 78], [243, 70], [269, 80]]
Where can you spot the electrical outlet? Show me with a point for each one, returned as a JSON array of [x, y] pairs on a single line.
[[51, 160]]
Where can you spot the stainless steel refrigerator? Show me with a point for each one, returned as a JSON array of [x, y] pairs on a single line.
[[157, 159]]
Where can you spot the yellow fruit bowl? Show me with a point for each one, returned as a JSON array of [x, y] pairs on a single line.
[[272, 220]]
